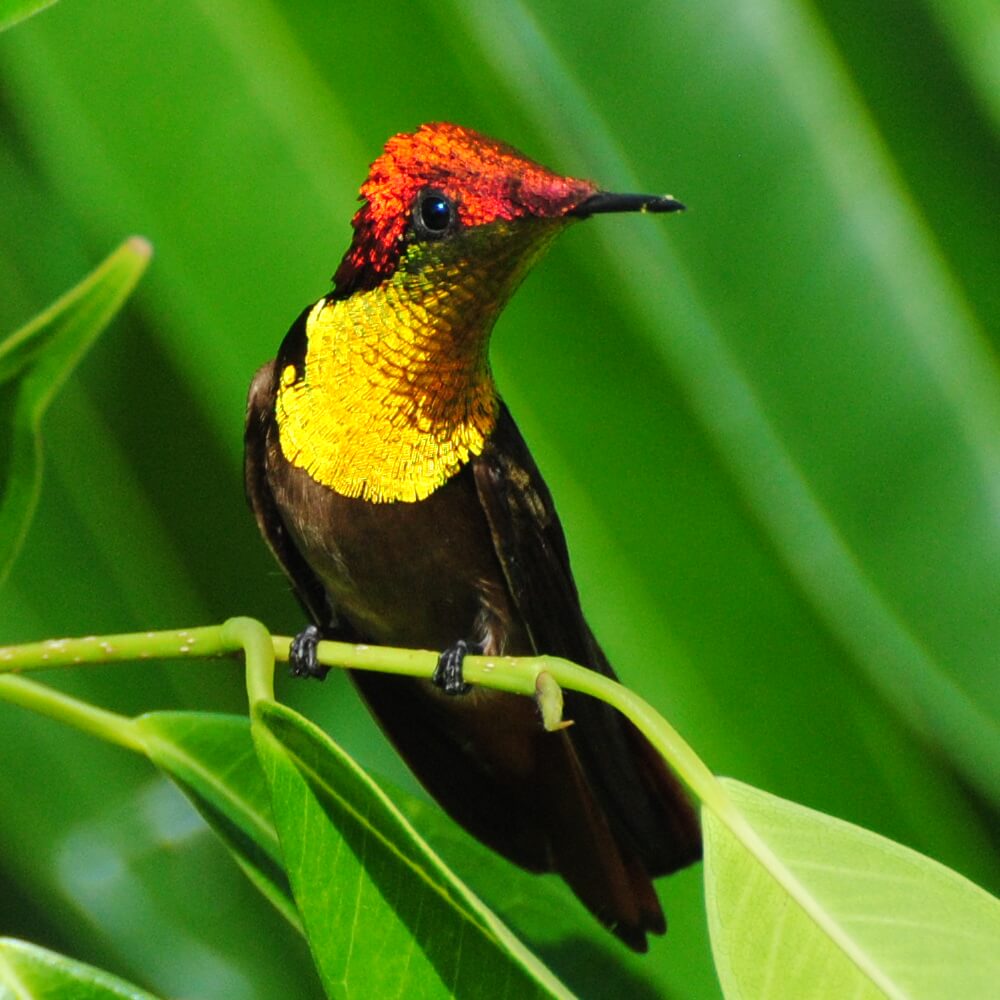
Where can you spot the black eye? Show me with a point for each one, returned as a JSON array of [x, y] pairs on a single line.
[[433, 214]]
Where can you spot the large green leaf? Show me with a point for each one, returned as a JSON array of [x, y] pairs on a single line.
[[34, 363], [28, 972], [212, 758], [837, 911], [383, 915]]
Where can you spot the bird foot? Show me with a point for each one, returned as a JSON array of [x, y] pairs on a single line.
[[448, 675], [302, 655]]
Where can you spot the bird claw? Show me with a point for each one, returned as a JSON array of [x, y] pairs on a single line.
[[302, 655], [448, 675]]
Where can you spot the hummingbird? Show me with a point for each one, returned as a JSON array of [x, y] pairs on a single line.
[[391, 483]]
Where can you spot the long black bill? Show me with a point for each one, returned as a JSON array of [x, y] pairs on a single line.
[[605, 202]]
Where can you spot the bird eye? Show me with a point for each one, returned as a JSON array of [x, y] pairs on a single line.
[[433, 214]]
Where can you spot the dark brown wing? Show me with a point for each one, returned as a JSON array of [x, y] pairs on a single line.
[[257, 439], [647, 809]]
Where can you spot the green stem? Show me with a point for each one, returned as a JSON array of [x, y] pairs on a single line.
[[383, 659], [237, 634], [520, 676], [258, 648], [516, 674], [194, 642], [97, 722]]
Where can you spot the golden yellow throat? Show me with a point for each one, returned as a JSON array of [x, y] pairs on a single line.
[[396, 394]]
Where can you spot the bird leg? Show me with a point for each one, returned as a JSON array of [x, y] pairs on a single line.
[[448, 675], [302, 654]]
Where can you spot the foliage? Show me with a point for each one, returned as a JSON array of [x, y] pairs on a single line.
[[27, 971], [770, 425], [837, 911], [799, 904], [34, 363]]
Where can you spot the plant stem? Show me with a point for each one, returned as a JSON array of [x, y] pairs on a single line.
[[258, 648], [516, 674], [197, 642], [520, 675], [97, 722], [383, 659], [211, 640]]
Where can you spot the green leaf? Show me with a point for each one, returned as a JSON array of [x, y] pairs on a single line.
[[27, 971], [34, 362], [212, 759], [543, 911], [12, 11], [837, 911], [383, 914]]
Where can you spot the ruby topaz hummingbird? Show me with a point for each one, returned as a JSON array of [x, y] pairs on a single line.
[[394, 488]]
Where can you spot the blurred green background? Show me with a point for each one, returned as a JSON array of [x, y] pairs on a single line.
[[771, 425]]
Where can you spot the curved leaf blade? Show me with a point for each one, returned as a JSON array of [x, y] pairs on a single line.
[[840, 911], [27, 971], [211, 758], [12, 11], [34, 363], [383, 915]]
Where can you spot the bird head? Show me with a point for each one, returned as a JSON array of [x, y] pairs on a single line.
[[445, 195]]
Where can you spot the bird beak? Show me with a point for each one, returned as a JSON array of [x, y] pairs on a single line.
[[606, 202]]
